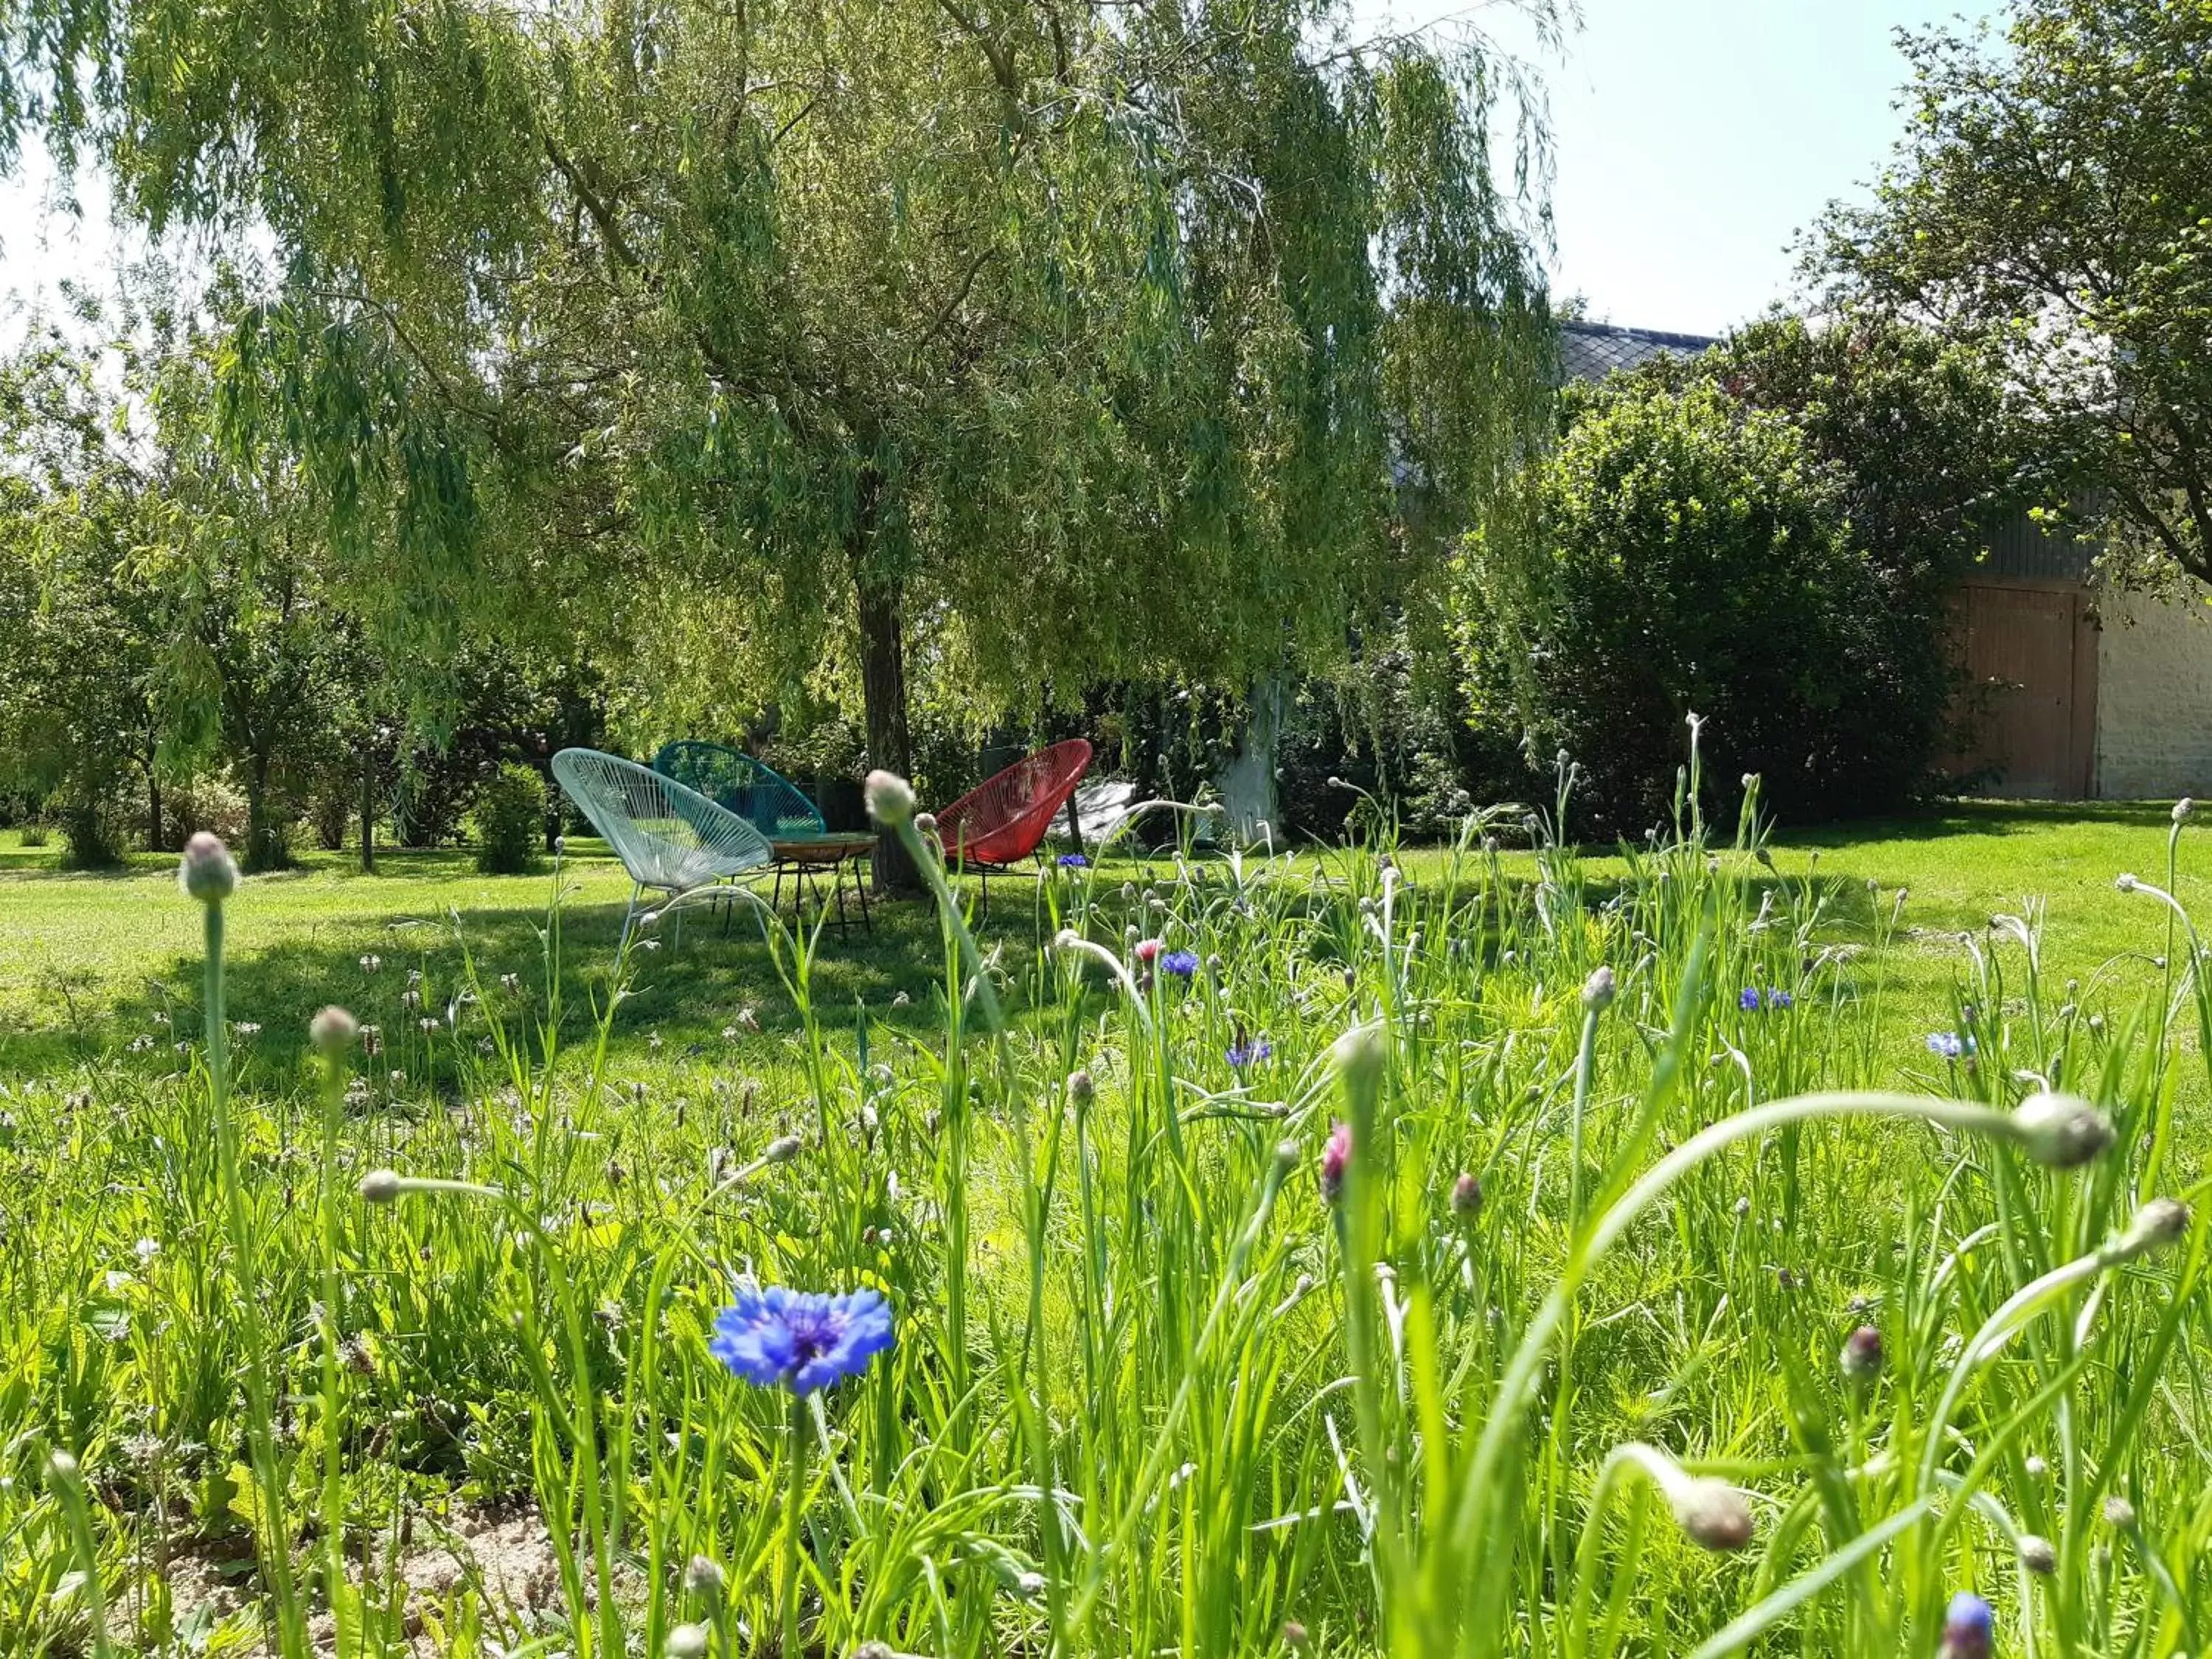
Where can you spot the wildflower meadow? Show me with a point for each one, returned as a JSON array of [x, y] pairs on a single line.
[[1268, 1253]]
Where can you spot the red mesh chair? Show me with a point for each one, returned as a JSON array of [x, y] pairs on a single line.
[[1005, 817]]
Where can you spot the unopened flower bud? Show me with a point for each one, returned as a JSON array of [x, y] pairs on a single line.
[[1466, 1195], [925, 823], [1861, 1359], [705, 1579], [2159, 1222], [1598, 989], [1713, 1514], [1967, 1627], [380, 1187], [207, 871], [1080, 1089], [2118, 1512], [688, 1641], [890, 797], [1335, 1155], [2183, 810], [1358, 1055], [2125, 882], [1294, 1634], [2038, 1553], [781, 1150], [2038, 1468], [2060, 1130], [332, 1031]]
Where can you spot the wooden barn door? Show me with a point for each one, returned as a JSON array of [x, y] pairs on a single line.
[[2031, 657]]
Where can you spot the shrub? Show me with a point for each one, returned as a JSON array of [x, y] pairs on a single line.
[[210, 802], [1681, 554], [34, 833], [509, 821]]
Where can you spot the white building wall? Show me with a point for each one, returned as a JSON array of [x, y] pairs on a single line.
[[2154, 696]]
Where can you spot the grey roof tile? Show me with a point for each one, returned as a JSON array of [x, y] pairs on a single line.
[[1590, 352]]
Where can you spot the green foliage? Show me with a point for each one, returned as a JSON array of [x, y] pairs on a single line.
[[1685, 555], [2049, 198], [508, 821], [1917, 436], [84, 630], [1397, 730], [817, 346]]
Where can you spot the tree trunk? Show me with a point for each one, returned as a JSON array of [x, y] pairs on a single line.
[[882, 693], [368, 812], [157, 839], [264, 840]]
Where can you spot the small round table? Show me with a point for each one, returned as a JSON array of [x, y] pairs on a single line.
[[805, 856]]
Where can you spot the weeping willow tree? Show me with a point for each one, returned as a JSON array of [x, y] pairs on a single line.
[[1005, 345]]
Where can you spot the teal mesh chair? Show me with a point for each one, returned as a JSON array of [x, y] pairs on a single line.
[[738, 783], [670, 838]]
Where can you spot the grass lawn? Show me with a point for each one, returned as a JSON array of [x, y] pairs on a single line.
[[1359, 1187], [87, 961]]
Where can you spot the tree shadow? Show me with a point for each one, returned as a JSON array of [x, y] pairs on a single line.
[[709, 990], [1983, 817]]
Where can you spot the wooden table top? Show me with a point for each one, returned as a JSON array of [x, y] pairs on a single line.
[[823, 849]]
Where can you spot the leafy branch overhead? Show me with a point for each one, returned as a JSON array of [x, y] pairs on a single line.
[[765, 337], [2051, 198]]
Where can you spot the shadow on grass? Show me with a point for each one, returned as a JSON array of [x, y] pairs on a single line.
[[715, 992], [1983, 818]]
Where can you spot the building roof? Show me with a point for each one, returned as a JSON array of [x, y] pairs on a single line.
[[1590, 352]]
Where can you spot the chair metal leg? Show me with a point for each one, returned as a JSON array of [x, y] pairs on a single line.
[[630, 918]]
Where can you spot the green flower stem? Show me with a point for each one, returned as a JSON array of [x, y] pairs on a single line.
[[333, 1514], [1746, 1628], [1585, 1070], [794, 1510], [272, 1535]]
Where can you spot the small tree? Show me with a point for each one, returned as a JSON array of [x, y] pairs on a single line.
[[509, 821], [1681, 555], [81, 628]]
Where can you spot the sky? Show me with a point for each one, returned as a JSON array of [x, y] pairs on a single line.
[[1693, 138]]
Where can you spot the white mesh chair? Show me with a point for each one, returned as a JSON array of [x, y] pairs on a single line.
[[670, 839]]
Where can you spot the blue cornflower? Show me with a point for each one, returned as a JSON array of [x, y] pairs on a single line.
[[1949, 1045], [1778, 998], [1073, 861], [1748, 999], [1181, 964], [800, 1340], [1967, 1628], [1242, 1054]]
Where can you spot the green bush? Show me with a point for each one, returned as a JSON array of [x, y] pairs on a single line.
[[509, 821], [1679, 553]]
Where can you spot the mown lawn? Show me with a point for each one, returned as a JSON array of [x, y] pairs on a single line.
[[88, 961]]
